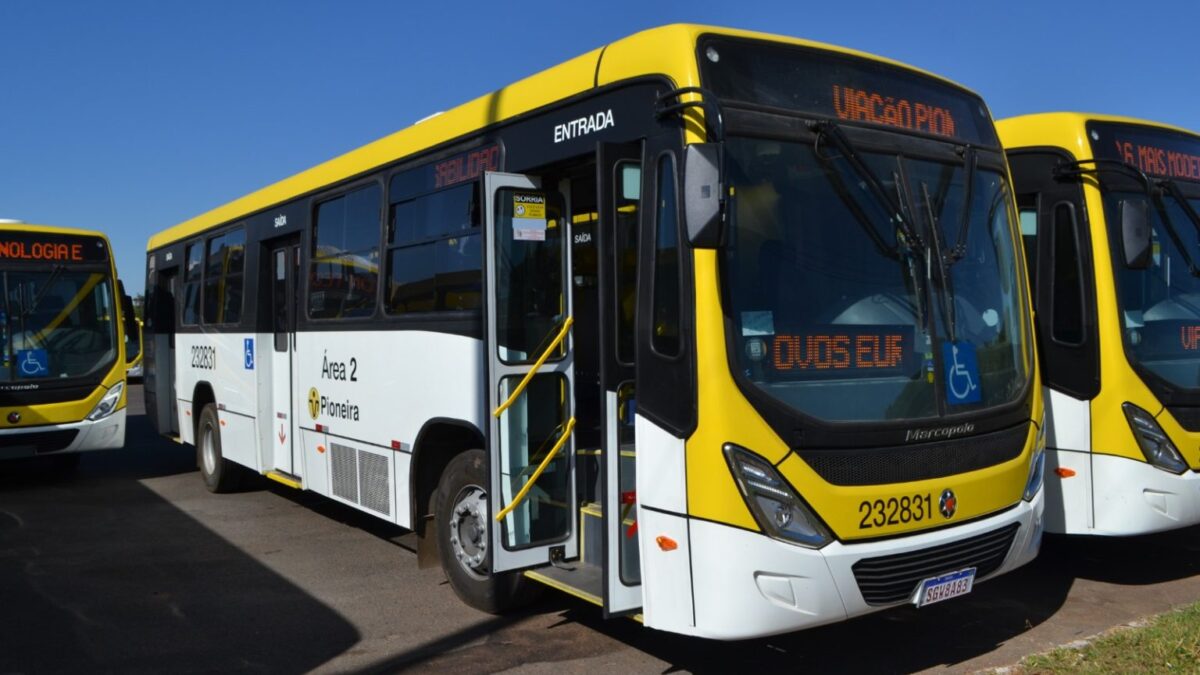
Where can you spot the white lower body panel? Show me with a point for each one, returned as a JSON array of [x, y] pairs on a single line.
[[749, 585], [1133, 497], [103, 434]]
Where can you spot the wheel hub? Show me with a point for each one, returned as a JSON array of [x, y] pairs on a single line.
[[469, 530]]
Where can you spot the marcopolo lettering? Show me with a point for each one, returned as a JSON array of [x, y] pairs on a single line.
[[938, 433], [583, 126]]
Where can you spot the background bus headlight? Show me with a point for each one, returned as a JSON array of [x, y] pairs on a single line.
[[1154, 442], [1037, 468], [778, 509], [108, 404]]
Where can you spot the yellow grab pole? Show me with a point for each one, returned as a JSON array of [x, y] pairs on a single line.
[[538, 364], [541, 467]]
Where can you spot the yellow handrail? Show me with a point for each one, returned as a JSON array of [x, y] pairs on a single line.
[[541, 467], [538, 364]]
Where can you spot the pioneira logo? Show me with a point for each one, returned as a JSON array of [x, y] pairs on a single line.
[[940, 433]]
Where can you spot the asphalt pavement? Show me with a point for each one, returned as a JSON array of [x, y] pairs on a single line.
[[129, 565]]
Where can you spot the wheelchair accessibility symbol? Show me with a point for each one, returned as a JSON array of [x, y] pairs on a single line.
[[33, 363], [962, 372]]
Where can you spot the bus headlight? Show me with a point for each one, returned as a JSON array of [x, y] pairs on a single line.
[[778, 509], [108, 404], [1037, 468], [1154, 442]]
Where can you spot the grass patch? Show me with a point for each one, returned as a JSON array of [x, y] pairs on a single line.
[[1168, 643]]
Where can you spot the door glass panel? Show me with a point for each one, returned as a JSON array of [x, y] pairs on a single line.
[[625, 255], [631, 564], [279, 299], [530, 250], [529, 429]]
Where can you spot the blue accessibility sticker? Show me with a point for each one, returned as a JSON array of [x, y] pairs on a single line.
[[962, 373], [249, 352], [33, 363]]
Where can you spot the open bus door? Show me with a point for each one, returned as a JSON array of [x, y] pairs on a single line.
[[530, 376], [619, 178]]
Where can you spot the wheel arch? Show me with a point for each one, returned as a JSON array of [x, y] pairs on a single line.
[[202, 395], [439, 441]]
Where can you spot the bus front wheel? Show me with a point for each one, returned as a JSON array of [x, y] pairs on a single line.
[[461, 516], [219, 474]]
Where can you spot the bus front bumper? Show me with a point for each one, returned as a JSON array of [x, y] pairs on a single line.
[[58, 439], [1133, 497], [749, 585]]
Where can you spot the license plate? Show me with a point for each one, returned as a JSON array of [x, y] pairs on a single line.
[[945, 587]]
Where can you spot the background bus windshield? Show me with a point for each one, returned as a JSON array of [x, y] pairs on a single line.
[[55, 323], [842, 317]]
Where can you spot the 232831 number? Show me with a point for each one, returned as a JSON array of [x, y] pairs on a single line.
[[204, 357], [895, 511]]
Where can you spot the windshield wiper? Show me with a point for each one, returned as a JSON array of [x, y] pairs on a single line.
[[829, 129], [1074, 169], [944, 262], [964, 217], [37, 300]]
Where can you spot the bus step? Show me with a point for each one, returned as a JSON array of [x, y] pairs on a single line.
[[285, 479], [583, 581]]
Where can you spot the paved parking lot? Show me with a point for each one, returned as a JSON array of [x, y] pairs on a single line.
[[131, 565]]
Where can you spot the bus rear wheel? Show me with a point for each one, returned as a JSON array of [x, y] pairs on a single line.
[[219, 474], [461, 517]]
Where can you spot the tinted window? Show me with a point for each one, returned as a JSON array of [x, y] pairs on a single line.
[[665, 338], [435, 259], [223, 277], [344, 272], [192, 272], [1068, 284]]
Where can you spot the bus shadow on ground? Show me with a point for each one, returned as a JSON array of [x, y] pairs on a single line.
[[98, 573]]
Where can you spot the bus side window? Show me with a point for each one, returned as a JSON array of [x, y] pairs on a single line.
[[344, 272], [665, 308], [191, 284], [1028, 216]]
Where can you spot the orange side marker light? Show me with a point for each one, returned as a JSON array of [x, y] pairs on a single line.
[[666, 543], [1064, 472], [321, 449]]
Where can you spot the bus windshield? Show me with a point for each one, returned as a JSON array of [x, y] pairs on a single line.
[[1160, 305], [56, 323], [841, 315]]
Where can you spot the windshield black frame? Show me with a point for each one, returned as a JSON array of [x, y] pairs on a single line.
[[102, 368], [1110, 188], [746, 121]]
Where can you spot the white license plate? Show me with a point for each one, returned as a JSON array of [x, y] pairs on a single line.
[[945, 587]]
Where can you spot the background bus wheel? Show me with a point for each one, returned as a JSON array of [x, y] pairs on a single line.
[[464, 544], [219, 474]]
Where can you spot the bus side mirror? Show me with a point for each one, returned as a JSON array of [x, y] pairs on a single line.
[[1135, 233], [133, 330], [702, 196]]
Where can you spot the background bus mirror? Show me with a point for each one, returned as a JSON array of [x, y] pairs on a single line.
[[702, 196], [133, 329], [1135, 232]]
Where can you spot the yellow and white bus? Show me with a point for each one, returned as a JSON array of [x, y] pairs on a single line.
[[725, 329], [1108, 208], [63, 322]]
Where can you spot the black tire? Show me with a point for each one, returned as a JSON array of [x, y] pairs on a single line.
[[465, 478], [219, 474]]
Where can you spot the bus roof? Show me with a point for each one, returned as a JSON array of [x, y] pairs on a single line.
[[1065, 130], [667, 50], [10, 226]]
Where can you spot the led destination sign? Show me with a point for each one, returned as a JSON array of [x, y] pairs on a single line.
[[45, 247], [843, 87], [840, 350], [1157, 152]]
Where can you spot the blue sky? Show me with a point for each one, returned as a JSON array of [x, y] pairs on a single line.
[[129, 117]]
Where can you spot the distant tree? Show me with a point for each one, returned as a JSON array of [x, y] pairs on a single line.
[[139, 302]]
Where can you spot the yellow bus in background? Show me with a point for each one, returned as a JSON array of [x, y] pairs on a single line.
[[63, 323], [1108, 208], [723, 329]]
